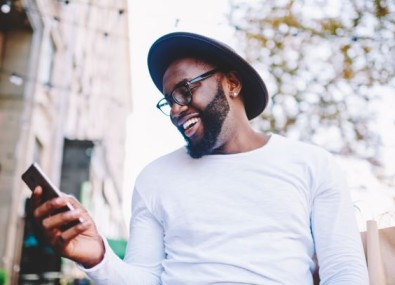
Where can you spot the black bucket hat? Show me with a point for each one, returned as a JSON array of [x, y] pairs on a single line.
[[172, 46]]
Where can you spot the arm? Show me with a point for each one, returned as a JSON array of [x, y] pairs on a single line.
[[144, 252], [336, 236], [83, 244]]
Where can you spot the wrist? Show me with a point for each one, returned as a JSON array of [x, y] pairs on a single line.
[[94, 260]]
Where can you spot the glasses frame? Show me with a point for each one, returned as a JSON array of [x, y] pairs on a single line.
[[171, 99]]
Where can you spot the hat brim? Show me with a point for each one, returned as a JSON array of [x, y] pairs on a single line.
[[175, 45]]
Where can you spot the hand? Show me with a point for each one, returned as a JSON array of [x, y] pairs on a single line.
[[80, 243]]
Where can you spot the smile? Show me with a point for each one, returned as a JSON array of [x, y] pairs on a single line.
[[190, 123]]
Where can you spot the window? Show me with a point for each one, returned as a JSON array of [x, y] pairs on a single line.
[[37, 152], [48, 58]]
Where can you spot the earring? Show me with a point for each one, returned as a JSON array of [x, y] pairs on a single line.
[[234, 94]]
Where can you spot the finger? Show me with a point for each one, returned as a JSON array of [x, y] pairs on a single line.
[[49, 207], [37, 192], [73, 201], [75, 204], [36, 196], [51, 235], [62, 219], [73, 232], [56, 240], [60, 240]]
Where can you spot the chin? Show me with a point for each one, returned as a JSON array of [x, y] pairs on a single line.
[[197, 149]]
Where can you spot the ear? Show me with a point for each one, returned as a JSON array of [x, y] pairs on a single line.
[[234, 83]]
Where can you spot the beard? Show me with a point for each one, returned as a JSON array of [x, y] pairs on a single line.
[[212, 118]]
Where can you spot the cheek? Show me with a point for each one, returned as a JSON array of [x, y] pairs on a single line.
[[173, 121], [204, 95]]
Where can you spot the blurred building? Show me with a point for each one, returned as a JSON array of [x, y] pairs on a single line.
[[64, 96]]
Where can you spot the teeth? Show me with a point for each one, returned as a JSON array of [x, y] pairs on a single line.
[[189, 123]]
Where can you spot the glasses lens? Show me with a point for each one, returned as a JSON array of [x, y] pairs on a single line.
[[164, 106], [182, 95]]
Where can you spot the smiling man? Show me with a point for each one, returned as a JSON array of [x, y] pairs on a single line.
[[210, 119], [237, 206]]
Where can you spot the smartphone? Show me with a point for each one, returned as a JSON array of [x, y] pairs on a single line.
[[34, 176]]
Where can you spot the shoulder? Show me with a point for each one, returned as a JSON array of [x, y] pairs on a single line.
[[319, 165], [297, 148], [162, 166], [316, 161]]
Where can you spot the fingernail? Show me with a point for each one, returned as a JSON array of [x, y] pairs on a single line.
[[83, 225]]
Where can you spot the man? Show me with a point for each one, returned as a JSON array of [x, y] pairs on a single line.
[[235, 207]]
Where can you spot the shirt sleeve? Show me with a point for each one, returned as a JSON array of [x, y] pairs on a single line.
[[144, 252], [337, 239]]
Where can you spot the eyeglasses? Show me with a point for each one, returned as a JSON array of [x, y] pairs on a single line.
[[182, 93]]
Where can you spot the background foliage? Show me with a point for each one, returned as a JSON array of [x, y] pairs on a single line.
[[325, 63]]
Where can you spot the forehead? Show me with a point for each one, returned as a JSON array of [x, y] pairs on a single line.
[[184, 68]]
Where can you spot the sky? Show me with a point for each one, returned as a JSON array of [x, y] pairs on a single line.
[[151, 134]]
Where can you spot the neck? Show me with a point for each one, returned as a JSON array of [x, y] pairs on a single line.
[[243, 140]]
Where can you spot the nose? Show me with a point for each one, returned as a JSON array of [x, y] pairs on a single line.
[[176, 111]]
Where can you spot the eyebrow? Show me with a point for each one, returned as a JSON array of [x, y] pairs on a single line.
[[179, 84]]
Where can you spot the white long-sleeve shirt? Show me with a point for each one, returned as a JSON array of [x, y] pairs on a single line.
[[250, 218]]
